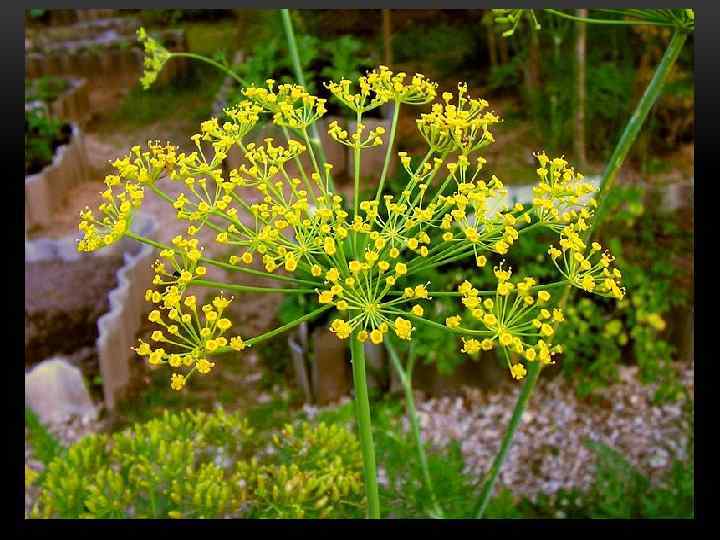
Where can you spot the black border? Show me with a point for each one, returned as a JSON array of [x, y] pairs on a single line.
[[707, 51]]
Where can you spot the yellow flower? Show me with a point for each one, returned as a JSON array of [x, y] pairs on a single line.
[[470, 346], [487, 344], [237, 343], [341, 328], [453, 322], [403, 328], [376, 336], [177, 381], [518, 371], [329, 246], [204, 366]]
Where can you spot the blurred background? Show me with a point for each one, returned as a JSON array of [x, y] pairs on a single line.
[[611, 417]]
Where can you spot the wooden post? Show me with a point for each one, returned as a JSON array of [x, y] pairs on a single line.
[[492, 44], [580, 63], [387, 38]]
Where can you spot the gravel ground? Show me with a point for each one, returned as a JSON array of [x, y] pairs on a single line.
[[548, 453]]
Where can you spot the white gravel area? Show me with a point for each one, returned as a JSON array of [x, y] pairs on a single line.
[[548, 453]]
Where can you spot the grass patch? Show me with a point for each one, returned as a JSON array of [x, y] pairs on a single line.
[[188, 97], [211, 38]]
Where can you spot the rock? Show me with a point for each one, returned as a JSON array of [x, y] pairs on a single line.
[[56, 391]]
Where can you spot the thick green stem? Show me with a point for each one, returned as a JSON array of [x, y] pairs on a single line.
[[406, 381], [297, 67], [628, 137], [532, 377], [389, 152], [362, 412]]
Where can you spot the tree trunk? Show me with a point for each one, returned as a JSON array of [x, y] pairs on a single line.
[[532, 69], [387, 40], [492, 44], [503, 48], [580, 63]]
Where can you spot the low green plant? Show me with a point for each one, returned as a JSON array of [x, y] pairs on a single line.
[[42, 135], [316, 472], [192, 93], [45, 89], [45, 445], [622, 491], [194, 464]]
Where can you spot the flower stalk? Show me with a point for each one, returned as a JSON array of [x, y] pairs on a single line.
[[362, 415], [405, 376]]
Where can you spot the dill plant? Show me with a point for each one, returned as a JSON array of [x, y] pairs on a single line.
[[362, 266]]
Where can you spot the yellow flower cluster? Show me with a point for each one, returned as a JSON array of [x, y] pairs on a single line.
[[560, 192], [514, 319], [462, 127], [291, 104], [381, 86], [271, 210], [588, 269], [155, 57], [191, 335]]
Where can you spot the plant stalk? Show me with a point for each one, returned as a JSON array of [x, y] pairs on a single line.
[[388, 154], [362, 413], [632, 129], [487, 489], [406, 381], [297, 67]]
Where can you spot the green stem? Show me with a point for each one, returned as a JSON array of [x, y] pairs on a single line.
[[362, 412], [606, 21], [406, 381], [630, 134], [218, 65], [225, 266], [276, 331], [532, 377], [297, 67], [388, 153], [247, 288], [619, 154]]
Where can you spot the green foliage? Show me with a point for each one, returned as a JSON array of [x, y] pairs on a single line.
[[165, 467], [45, 89], [45, 445], [621, 491], [347, 59], [506, 76], [316, 473], [192, 94], [443, 48], [274, 355], [42, 135], [200, 465], [321, 60]]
